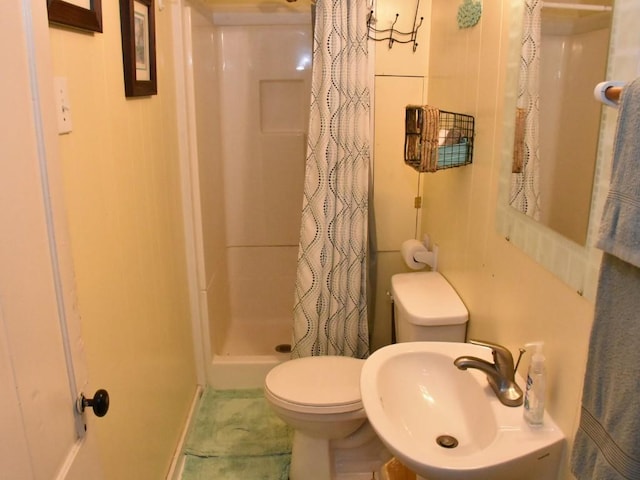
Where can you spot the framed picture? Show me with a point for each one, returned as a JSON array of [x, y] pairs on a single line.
[[137, 21], [82, 14]]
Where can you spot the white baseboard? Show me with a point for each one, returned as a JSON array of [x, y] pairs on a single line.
[[177, 464]]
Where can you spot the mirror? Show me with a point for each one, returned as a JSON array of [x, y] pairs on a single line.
[[577, 265], [564, 55]]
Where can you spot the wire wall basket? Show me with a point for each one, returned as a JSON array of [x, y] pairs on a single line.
[[437, 139]]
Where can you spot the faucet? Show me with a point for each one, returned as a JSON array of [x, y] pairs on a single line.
[[500, 374]]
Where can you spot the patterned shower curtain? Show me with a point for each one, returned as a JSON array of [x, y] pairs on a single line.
[[524, 186], [330, 309]]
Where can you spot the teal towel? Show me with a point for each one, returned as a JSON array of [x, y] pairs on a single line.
[[607, 443], [620, 227], [237, 423], [274, 467]]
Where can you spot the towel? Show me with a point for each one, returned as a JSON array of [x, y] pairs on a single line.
[[413, 135], [620, 227], [607, 443], [421, 138], [430, 132]]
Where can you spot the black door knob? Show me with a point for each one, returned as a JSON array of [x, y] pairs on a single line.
[[99, 403]]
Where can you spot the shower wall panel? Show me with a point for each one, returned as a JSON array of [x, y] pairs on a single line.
[[264, 94], [212, 273]]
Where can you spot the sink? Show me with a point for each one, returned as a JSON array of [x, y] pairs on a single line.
[[445, 423]]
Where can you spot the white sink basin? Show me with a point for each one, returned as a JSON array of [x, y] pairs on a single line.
[[416, 400]]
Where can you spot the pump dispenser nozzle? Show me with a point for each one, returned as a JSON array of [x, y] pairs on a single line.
[[539, 344], [537, 356]]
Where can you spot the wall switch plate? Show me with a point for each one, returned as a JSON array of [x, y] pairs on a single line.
[[63, 106]]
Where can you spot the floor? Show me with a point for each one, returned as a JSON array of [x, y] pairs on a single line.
[[236, 436]]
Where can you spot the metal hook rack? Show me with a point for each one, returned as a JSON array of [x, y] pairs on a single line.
[[391, 34]]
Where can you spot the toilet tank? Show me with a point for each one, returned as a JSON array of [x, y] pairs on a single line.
[[427, 308]]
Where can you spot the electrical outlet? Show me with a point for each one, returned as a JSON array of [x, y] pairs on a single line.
[[63, 106]]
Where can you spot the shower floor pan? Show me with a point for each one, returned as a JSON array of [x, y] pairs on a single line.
[[251, 349]]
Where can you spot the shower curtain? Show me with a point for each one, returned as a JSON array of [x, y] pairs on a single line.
[[524, 186], [330, 308]]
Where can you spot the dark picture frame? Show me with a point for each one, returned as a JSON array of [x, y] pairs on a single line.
[[68, 14], [137, 21]]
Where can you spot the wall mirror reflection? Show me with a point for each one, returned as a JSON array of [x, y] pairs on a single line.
[[564, 53]]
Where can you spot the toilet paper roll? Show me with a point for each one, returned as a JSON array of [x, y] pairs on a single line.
[[409, 250]]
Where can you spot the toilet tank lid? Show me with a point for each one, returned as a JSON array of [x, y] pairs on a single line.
[[428, 299]]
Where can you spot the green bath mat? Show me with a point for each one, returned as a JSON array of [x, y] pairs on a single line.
[[237, 423], [275, 467]]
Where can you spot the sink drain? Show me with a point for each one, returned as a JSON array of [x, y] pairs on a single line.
[[447, 441], [283, 348]]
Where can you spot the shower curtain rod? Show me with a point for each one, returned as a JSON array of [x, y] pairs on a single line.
[[577, 6]]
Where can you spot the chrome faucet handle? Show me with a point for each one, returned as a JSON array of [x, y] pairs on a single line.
[[501, 357]]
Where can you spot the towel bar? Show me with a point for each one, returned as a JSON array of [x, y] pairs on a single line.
[[608, 93], [613, 93]]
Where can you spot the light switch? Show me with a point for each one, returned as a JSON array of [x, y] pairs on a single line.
[[62, 105]]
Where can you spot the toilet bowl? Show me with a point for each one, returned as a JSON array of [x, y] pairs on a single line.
[[319, 397]]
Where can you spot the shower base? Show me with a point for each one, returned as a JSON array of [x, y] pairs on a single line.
[[251, 349]]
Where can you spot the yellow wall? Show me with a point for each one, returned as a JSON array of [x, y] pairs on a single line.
[[400, 79], [511, 299], [122, 190]]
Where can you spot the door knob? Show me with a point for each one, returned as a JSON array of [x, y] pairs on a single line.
[[99, 403]]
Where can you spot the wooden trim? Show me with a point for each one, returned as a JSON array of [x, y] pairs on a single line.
[[70, 15], [138, 50]]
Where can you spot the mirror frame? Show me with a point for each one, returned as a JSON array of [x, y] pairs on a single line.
[[578, 266]]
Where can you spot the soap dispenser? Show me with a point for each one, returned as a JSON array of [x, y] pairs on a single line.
[[534, 397]]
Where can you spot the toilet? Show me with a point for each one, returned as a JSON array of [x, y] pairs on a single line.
[[427, 308], [319, 397]]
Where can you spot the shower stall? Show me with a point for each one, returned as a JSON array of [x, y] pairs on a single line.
[[248, 82]]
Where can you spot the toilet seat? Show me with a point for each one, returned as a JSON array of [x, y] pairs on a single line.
[[319, 385]]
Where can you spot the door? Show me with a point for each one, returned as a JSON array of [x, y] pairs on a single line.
[[41, 367]]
